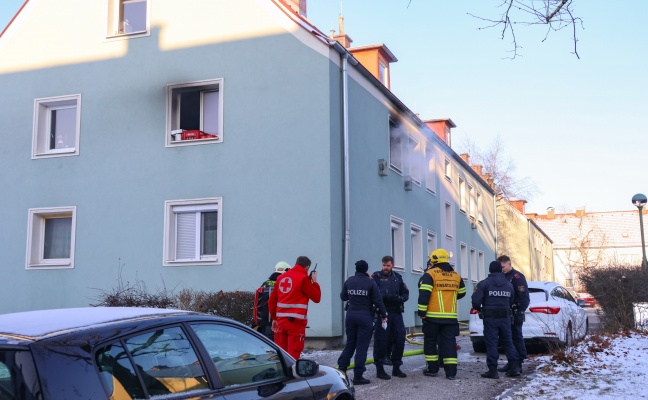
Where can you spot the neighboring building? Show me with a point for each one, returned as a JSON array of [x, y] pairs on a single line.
[[591, 239], [519, 237], [196, 143]]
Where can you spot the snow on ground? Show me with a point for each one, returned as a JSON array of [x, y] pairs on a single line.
[[601, 367]]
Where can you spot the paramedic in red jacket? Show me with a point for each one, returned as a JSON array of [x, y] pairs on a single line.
[[288, 305]]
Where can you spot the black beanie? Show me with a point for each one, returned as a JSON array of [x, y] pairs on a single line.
[[495, 266], [362, 266]]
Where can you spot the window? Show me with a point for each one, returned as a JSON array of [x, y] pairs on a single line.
[[239, 357], [448, 220], [383, 75], [50, 237], [395, 145], [430, 176], [463, 264], [481, 272], [398, 242], [448, 170], [57, 121], [462, 195], [415, 160], [164, 358], [127, 17], [479, 207], [431, 242], [18, 377], [471, 201], [448, 136], [195, 112], [473, 265], [417, 248], [193, 233]]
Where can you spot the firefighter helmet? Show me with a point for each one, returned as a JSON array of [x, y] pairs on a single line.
[[439, 256], [282, 266]]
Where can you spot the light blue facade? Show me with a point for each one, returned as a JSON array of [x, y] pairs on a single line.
[[278, 169]]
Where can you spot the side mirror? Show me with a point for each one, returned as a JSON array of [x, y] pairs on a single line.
[[305, 368], [581, 303]]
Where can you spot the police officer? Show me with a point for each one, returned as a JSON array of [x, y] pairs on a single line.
[[439, 291], [520, 304], [262, 321], [394, 294], [493, 298], [362, 295]]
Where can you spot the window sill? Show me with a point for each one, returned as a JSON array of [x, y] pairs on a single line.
[[448, 178], [58, 265], [57, 153], [118, 36], [187, 263], [432, 192], [462, 211], [449, 236]]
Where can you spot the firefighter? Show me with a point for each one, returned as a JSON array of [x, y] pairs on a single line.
[[262, 321], [493, 298], [439, 291], [362, 295], [288, 305], [520, 304], [394, 294]]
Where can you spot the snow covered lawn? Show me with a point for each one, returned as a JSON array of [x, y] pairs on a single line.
[[600, 367]]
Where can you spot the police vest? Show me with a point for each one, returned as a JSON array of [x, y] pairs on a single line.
[[291, 301], [443, 300]]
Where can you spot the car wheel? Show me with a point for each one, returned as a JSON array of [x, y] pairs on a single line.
[[479, 347], [569, 337]]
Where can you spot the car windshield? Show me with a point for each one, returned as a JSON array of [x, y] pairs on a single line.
[[537, 295], [18, 378]]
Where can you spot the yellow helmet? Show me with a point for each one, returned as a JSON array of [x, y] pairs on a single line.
[[439, 256]]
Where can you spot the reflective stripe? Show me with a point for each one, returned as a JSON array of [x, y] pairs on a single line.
[[440, 296], [450, 361], [287, 314], [426, 287], [286, 305], [462, 290], [432, 358], [440, 315], [422, 307]]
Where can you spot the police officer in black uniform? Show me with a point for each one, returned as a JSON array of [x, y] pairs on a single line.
[[520, 304], [394, 293], [493, 298], [363, 296]]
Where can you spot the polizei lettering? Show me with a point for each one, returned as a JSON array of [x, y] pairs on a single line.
[[499, 293], [357, 292]]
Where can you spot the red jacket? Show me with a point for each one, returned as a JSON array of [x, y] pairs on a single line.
[[291, 294]]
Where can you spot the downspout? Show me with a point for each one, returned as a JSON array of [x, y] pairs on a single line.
[[496, 226], [531, 267]]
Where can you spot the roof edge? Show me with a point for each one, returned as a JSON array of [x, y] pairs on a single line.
[[14, 17]]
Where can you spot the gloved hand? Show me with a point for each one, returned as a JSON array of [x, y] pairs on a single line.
[[421, 314], [518, 318]]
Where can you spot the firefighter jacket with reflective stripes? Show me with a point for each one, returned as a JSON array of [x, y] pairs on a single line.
[[439, 290], [291, 293]]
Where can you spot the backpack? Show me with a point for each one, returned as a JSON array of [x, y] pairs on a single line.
[[261, 297]]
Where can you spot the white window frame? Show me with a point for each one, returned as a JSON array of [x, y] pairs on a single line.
[[395, 136], [208, 85], [197, 206], [431, 241], [481, 272], [449, 226], [115, 27], [471, 201], [413, 147], [42, 125], [430, 176], [462, 195], [416, 240], [36, 238], [463, 260], [447, 168], [479, 207], [473, 264], [383, 73], [397, 232]]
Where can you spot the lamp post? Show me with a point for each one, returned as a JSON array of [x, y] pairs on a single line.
[[639, 200]]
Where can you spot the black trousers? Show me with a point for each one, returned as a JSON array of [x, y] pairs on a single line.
[[445, 332]]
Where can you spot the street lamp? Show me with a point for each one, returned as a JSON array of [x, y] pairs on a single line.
[[639, 200]]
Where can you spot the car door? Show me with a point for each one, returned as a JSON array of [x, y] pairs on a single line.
[[579, 316], [248, 366]]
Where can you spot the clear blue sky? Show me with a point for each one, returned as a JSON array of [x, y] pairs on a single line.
[[577, 128]]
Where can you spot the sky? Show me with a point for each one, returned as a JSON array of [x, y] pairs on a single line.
[[576, 127]]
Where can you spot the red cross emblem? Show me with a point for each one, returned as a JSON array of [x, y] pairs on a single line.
[[285, 285]]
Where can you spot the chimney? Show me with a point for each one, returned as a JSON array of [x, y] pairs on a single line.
[[298, 6], [465, 157], [551, 213], [580, 211], [518, 204], [342, 38], [477, 168], [442, 127]]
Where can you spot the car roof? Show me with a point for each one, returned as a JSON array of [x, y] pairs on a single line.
[[544, 285], [41, 323]]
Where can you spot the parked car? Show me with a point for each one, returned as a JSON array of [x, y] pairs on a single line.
[[589, 300], [553, 316], [142, 353]]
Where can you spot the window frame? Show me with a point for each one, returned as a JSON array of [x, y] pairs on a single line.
[[395, 127], [414, 157], [474, 274], [432, 241], [397, 232], [208, 85], [416, 248], [481, 268], [36, 238], [449, 225], [41, 129], [447, 169], [430, 176], [170, 233], [471, 201], [462, 195], [114, 11], [463, 267], [480, 201]]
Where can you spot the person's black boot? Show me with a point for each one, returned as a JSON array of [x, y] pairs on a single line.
[[398, 373], [491, 374], [505, 368], [387, 361], [381, 374], [431, 370], [515, 370], [359, 380]]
